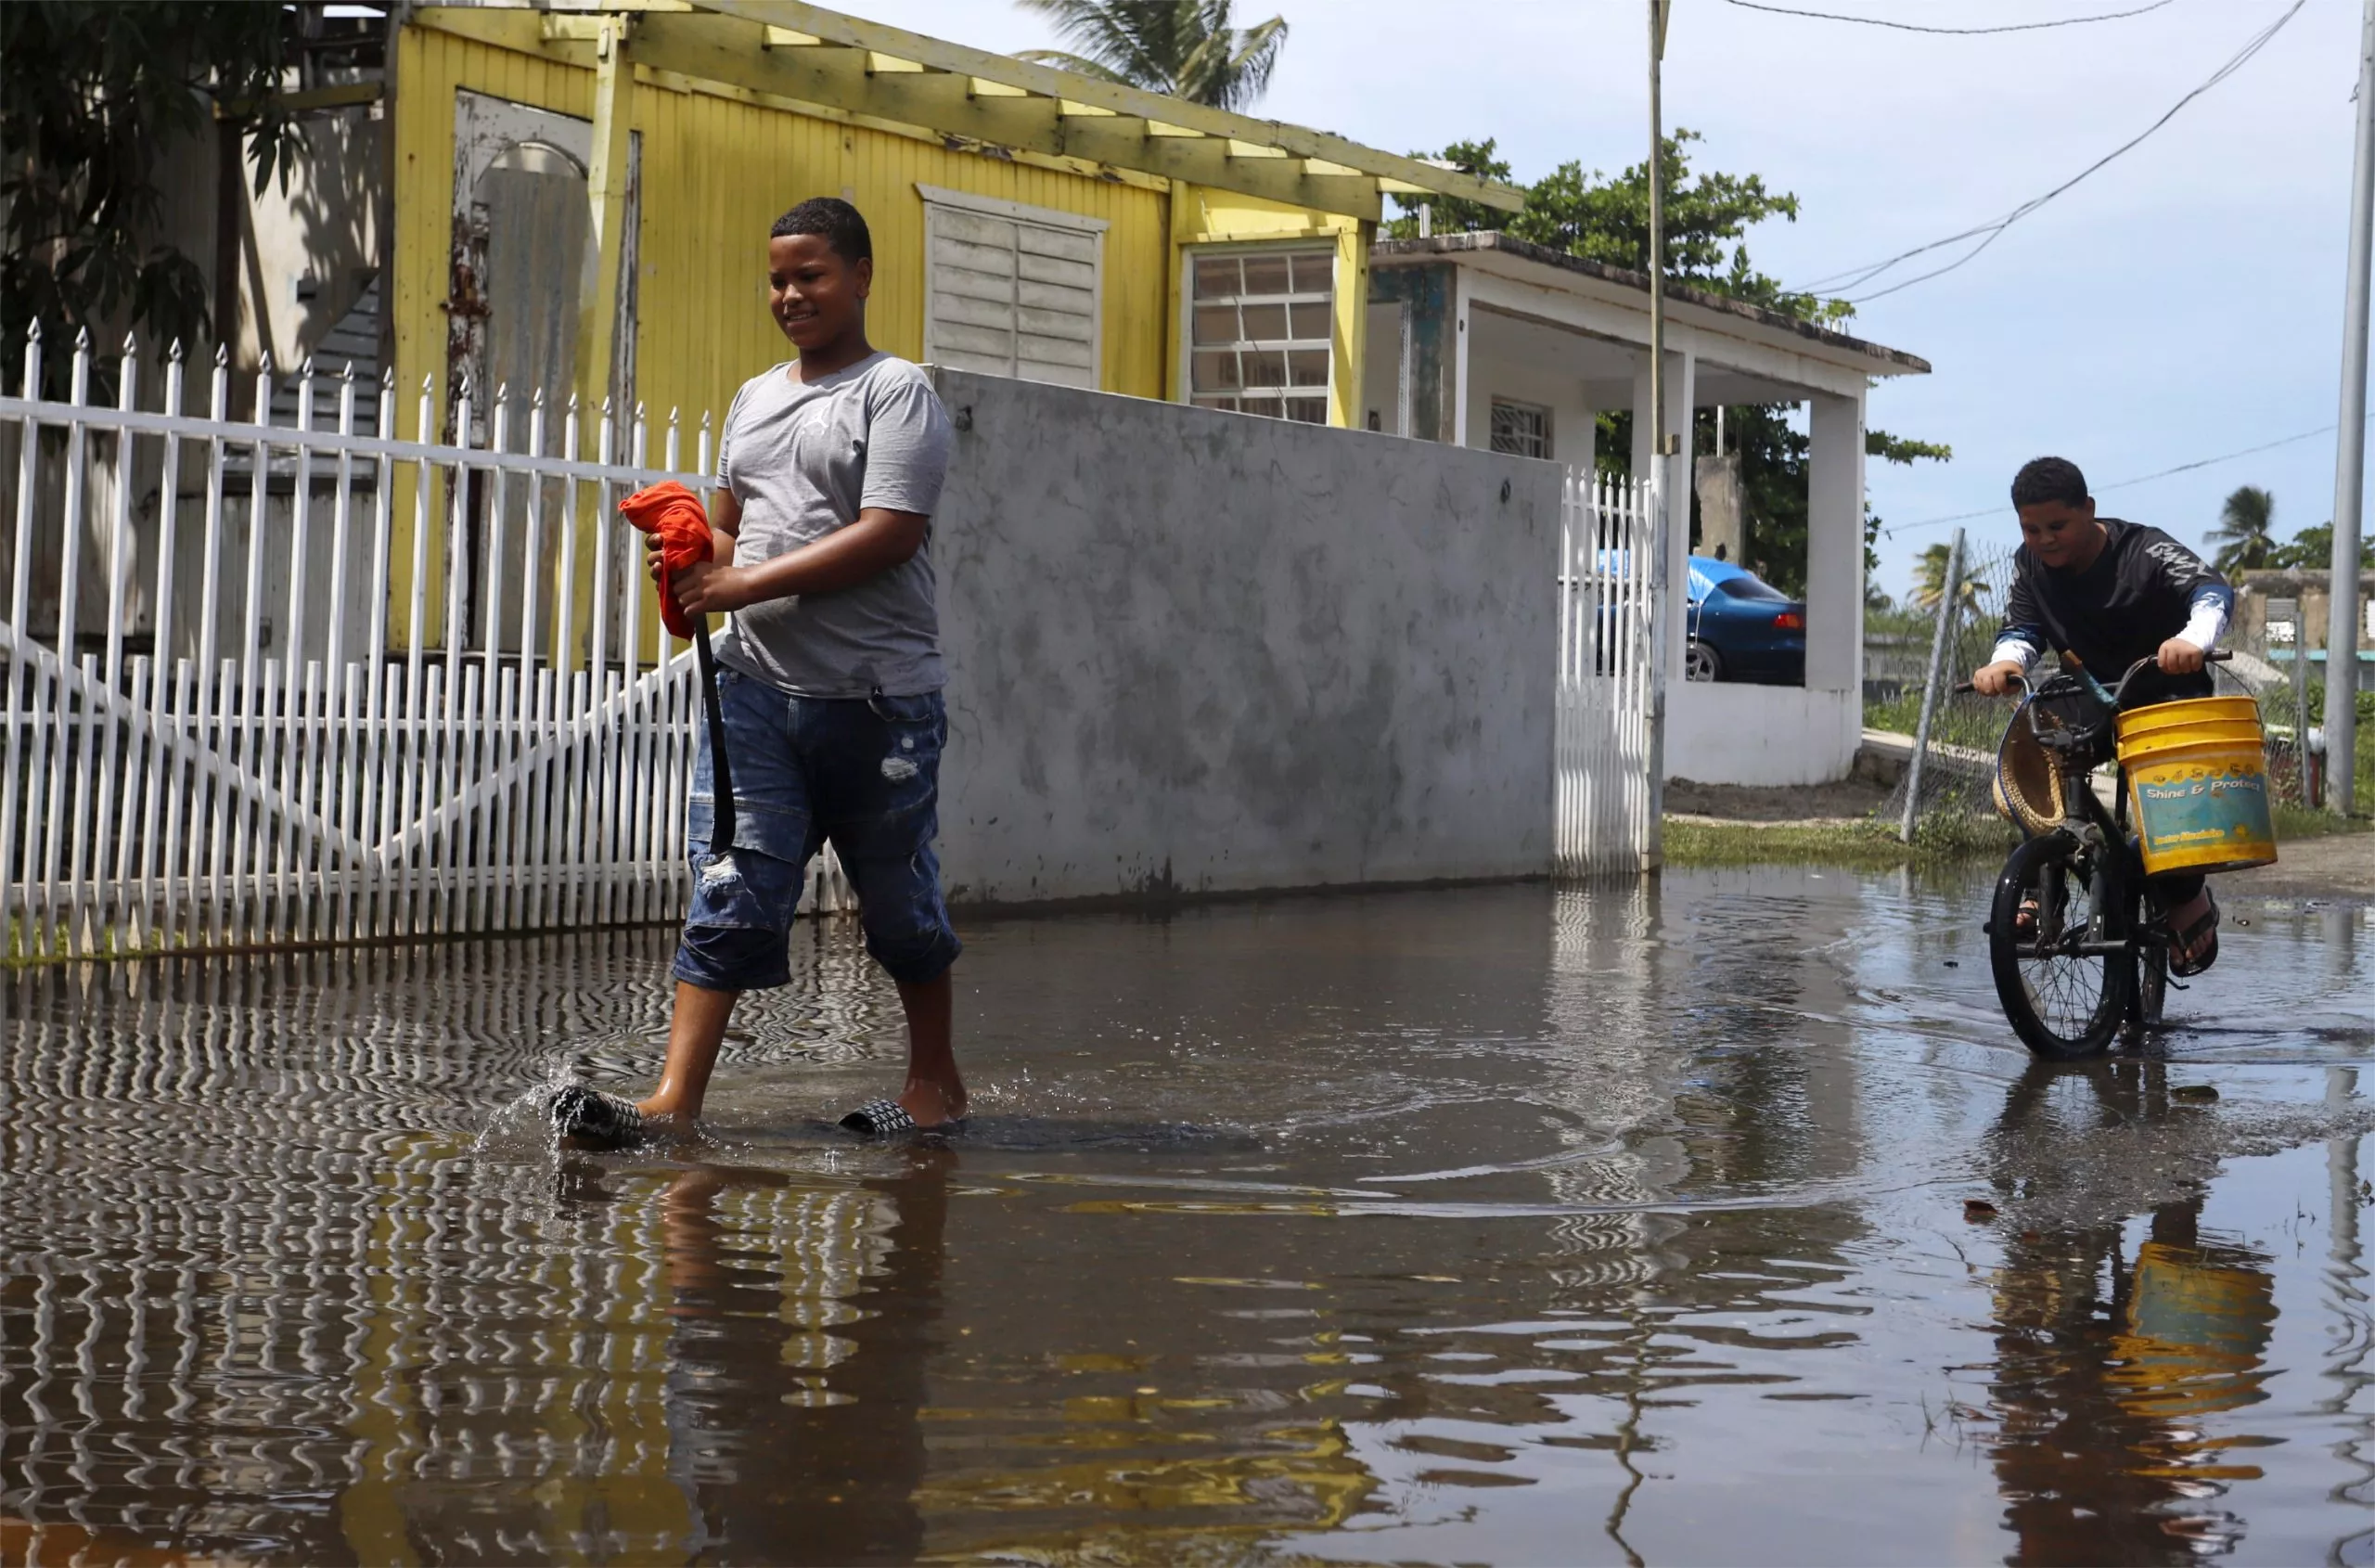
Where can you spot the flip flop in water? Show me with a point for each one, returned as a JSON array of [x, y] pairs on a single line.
[[888, 1118], [2189, 954], [595, 1120]]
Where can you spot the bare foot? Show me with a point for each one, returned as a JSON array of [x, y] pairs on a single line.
[[932, 1103], [662, 1115]]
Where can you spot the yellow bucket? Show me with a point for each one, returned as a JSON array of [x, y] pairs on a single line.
[[2196, 780]]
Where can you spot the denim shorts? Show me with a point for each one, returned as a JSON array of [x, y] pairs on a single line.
[[862, 774]]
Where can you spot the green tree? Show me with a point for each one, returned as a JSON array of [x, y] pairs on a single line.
[[2312, 549], [1707, 216], [1930, 582], [1189, 49], [92, 96], [2244, 530], [1606, 220]]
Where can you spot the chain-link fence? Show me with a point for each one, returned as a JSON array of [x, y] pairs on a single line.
[[1947, 782], [2287, 711]]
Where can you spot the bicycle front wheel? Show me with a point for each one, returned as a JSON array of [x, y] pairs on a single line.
[[2054, 903], [2152, 986]]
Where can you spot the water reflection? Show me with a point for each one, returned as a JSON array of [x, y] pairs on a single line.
[[1508, 1225], [2112, 1354], [802, 1326]]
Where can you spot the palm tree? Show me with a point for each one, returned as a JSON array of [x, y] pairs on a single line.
[[1186, 48], [2244, 525], [1929, 580]]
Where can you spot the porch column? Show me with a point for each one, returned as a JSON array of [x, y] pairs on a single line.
[[1459, 364], [1681, 386], [1835, 545], [606, 194], [1347, 375], [598, 316]]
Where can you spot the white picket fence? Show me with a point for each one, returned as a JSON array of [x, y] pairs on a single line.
[[1607, 808], [250, 705], [304, 771]]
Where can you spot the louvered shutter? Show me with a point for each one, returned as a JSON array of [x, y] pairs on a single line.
[[1011, 289]]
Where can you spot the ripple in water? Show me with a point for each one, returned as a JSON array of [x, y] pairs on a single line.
[[1484, 1226]]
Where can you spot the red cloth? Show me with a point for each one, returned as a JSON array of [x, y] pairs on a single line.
[[675, 514]]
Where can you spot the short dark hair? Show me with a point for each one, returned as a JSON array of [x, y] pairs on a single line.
[[841, 224], [2048, 479]]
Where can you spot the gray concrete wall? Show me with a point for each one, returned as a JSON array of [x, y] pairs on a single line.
[[1201, 652]]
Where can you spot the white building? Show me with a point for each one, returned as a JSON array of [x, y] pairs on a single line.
[[1482, 340]]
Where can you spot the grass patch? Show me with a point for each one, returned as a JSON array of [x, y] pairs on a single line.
[[1939, 839], [2304, 822], [16, 952], [1863, 846], [1900, 714]]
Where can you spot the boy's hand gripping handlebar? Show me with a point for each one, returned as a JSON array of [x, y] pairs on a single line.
[[2216, 656]]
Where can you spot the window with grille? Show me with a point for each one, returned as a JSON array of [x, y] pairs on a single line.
[[1011, 289], [1260, 324], [1522, 429]]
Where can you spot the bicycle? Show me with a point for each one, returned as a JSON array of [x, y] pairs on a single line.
[[2095, 959]]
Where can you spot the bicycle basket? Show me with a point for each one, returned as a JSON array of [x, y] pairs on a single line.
[[2028, 785]]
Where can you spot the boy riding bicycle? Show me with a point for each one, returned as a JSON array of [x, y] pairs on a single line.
[[2105, 594]]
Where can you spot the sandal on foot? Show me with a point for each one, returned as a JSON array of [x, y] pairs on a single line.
[[888, 1118], [596, 1120], [2024, 919], [2190, 940]]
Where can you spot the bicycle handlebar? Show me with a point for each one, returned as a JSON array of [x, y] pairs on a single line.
[[2216, 656]]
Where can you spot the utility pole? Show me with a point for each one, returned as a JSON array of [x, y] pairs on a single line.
[[2349, 456], [1658, 12], [1654, 850]]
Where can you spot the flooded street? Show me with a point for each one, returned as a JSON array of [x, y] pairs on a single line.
[[1720, 1221]]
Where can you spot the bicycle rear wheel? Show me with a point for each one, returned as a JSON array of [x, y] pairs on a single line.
[[2062, 1002]]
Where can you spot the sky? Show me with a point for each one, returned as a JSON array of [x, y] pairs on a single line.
[[2183, 302]]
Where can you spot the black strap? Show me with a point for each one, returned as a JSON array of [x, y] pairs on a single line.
[[721, 833]]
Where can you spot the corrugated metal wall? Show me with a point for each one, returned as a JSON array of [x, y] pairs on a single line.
[[714, 173]]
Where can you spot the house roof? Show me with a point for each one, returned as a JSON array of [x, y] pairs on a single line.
[[791, 49], [1541, 264]]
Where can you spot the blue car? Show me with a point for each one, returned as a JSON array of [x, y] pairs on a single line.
[[1742, 628]]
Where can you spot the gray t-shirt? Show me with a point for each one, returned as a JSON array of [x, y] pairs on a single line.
[[802, 458]]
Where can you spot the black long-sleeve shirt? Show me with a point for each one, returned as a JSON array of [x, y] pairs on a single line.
[[2142, 590]]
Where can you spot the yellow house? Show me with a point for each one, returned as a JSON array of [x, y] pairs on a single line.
[[582, 198]]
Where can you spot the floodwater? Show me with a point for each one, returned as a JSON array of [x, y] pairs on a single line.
[[1716, 1222]]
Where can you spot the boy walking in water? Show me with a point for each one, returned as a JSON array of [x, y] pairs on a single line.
[[2104, 594], [829, 683]]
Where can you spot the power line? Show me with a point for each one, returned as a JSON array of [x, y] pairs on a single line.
[[1856, 278], [1959, 31], [1994, 231], [2125, 483]]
